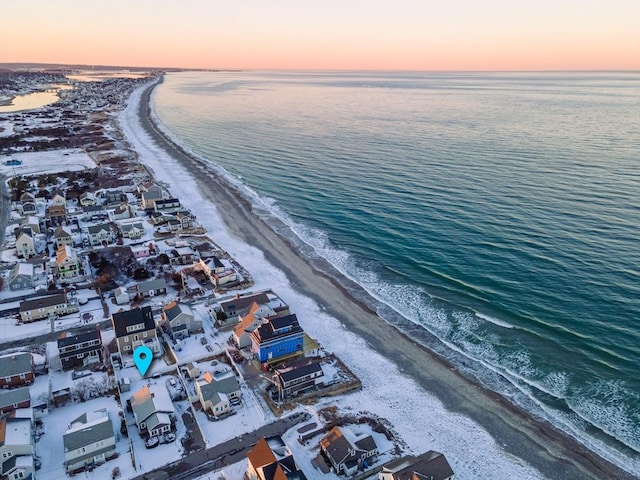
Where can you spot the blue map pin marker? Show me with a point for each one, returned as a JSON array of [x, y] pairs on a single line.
[[142, 357]]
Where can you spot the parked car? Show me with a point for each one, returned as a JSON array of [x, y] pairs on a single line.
[[169, 437], [152, 442]]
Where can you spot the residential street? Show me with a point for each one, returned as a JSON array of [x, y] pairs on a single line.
[[227, 453]]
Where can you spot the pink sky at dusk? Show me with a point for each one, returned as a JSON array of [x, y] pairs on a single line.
[[324, 34]]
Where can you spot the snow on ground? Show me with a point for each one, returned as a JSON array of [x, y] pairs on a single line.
[[52, 161], [419, 418]]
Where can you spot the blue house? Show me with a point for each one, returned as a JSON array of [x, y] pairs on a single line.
[[277, 338]]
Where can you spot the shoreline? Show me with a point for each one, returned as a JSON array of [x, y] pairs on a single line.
[[537, 442]]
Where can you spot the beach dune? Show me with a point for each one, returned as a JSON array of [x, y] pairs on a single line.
[[538, 443]]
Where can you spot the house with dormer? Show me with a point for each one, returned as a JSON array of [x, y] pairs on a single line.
[[216, 394], [58, 201], [87, 199], [16, 449], [153, 410], [133, 328], [16, 369], [278, 338], [294, 381], [132, 231], [430, 465], [89, 442], [100, 234], [180, 320], [249, 322], [348, 455]]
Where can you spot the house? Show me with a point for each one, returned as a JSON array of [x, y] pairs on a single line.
[[253, 319], [180, 320], [121, 295], [16, 370], [181, 255], [56, 215], [89, 442], [100, 234], [58, 201], [239, 305], [211, 266], [278, 338], [87, 199], [224, 278], [430, 465], [28, 204], [80, 349], [11, 400], [33, 223], [47, 307], [132, 231], [94, 212], [168, 205], [150, 196], [25, 243], [21, 276], [133, 328], [67, 264], [16, 449], [151, 288], [140, 251], [185, 218], [294, 381], [122, 212], [114, 197], [271, 459], [216, 394], [153, 411], [62, 237], [347, 455]]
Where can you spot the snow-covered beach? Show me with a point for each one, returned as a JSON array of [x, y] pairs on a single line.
[[429, 405]]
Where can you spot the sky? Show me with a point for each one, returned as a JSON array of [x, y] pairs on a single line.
[[325, 34]]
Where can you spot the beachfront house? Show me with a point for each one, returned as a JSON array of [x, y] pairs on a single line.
[[11, 400], [217, 393], [271, 459], [348, 455], [295, 381], [430, 465], [167, 205], [150, 196], [81, 349], [89, 442], [48, 307], [227, 311], [133, 328], [152, 410], [21, 276], [16, 369], [278, 338], [248, 323], [16, 449]]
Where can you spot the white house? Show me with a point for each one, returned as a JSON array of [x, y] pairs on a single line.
[[99, 234]]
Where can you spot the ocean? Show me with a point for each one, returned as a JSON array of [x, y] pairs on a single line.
[[495, 217]]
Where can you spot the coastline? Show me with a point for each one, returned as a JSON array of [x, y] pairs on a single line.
[[553, 453]]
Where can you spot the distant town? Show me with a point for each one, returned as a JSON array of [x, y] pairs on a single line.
[[99, 258]]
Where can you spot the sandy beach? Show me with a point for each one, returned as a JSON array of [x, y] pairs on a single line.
[[552, 453]]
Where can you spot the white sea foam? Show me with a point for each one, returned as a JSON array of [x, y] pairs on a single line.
[[409, 301], [493, 320]]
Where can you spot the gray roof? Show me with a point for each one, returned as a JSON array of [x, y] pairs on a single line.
[[43, 302], [225, 385], [15, 364], [91, 433], [300, 371], [15, 396], [173, 311], [155, 284], [430, 464], [122, 320], [98, 228]]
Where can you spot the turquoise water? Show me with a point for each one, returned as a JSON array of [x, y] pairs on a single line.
[[495, 217]]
